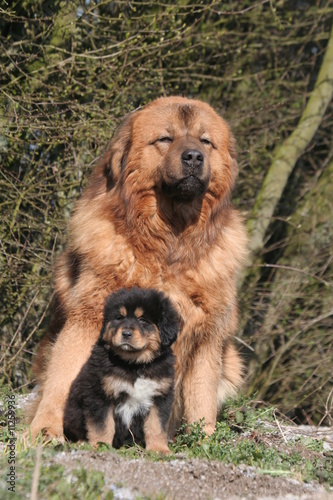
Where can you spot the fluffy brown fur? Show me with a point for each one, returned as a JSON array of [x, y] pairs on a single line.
[[156, 214]]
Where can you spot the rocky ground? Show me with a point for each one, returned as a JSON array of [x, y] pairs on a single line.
[[188, 478]]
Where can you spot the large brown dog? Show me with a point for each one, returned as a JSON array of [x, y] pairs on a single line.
[[156, 214]]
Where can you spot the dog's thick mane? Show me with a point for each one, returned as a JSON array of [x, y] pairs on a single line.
[[149, 225]]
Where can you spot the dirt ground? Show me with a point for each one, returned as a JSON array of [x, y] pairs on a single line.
[[182, 479]]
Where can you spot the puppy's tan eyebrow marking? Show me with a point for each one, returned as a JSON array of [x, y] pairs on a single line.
[[123, 311], [138, 312]]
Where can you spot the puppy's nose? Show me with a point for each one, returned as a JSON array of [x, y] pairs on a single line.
[[127, 334], [192, 160]]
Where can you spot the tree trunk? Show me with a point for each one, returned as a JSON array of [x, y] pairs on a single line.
[[288, 154]]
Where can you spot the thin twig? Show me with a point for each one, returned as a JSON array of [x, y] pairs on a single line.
[[235, 12], [31, 333], [328, 409], [244, 343], [19, 327], [290, 268], [35, 477], [280, 428]]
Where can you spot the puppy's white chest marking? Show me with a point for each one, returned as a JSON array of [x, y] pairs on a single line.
[[140, 399]]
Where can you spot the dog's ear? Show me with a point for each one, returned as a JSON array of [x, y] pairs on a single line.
[[114, 158], [233, 156], [169, 323]]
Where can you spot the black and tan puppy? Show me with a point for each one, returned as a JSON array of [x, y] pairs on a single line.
[[124, 392]]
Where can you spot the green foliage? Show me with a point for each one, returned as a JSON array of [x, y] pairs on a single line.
[[247, 440], [72, 70]]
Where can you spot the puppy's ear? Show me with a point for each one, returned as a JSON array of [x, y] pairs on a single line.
[[108, 306], [102, 332], [115, 157], [169, 323]]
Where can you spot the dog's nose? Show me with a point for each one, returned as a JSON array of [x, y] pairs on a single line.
[[192, 160], [127, 334]]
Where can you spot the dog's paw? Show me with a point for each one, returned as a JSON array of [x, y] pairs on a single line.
[[48, 429], [159, 448], [209, 429]]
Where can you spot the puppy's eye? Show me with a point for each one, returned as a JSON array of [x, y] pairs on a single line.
[[143, 321], [165, 139], [120, 317], [205, 141]]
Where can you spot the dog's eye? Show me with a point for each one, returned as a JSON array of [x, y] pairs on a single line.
[[205, 141], [165, 139], [120, 317]]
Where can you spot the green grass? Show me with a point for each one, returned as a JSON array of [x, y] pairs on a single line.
[[241, 437], [54, 481]]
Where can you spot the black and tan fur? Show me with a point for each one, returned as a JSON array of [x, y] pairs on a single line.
[[124, 392]]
